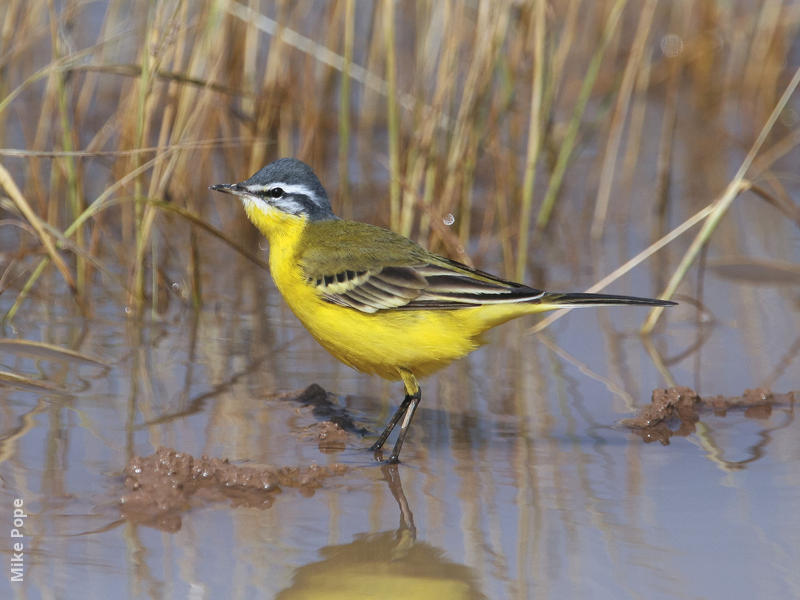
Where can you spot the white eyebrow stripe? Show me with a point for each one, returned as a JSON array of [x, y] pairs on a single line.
[[288, 188]]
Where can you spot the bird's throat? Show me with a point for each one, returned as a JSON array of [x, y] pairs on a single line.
[[273, 223], [283, 232]]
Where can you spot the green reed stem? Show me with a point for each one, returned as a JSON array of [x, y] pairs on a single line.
[[534, 137], [391, 116], [571, 136], [344, 111], [145, 81], [68, 162], [25, 291]]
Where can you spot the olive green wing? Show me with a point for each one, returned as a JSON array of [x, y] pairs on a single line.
[[370, 269]]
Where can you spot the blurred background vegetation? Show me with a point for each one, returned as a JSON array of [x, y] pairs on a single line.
[[496, 130]]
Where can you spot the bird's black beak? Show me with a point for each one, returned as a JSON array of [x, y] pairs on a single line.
[[229, 188]]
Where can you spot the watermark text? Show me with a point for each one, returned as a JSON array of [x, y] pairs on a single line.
[[17, 563]]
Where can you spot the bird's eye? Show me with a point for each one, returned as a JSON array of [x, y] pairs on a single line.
[[275, 192]]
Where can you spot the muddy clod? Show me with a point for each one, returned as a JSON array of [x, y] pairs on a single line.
[[330, 436], [323, 406], [676, 410], [161, 486]]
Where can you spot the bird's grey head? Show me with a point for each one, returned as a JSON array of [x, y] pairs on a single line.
[[288, 185]]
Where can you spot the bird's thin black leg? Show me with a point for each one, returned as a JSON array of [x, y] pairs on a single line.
[[391, 424], [406, 411], [414, 398]]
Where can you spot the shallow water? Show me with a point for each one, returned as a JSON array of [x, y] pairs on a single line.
[[517, 480]]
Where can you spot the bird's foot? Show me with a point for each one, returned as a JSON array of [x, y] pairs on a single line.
[[393, 459]]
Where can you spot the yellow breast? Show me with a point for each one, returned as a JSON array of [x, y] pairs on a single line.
[[382, 343]]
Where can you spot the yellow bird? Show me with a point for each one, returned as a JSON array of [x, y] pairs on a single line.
[[376, 300]]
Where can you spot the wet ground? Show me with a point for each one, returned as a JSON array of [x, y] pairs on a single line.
[[221, 453]]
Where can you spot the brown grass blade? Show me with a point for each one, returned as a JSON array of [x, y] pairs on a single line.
[[7, 182]]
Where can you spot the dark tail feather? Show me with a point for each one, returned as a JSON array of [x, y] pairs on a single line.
[[578, 299]]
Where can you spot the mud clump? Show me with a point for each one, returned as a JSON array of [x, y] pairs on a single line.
[[330, 436], [676, 410], [167, 483], [331, 425], [672, 411], [322, 406]]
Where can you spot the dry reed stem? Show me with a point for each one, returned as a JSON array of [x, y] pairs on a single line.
[[584, 368], [319, 52], [7, 182], [635, 129], [387, 8], [630, 264], [425, 169], [720, 207], [344, 112], [618, 118], [100, 203], [205, 71], [198, 221]]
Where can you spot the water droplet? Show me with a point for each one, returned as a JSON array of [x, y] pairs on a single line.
[[128, 310], [789, 117], [449, 219], [671, 45]]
